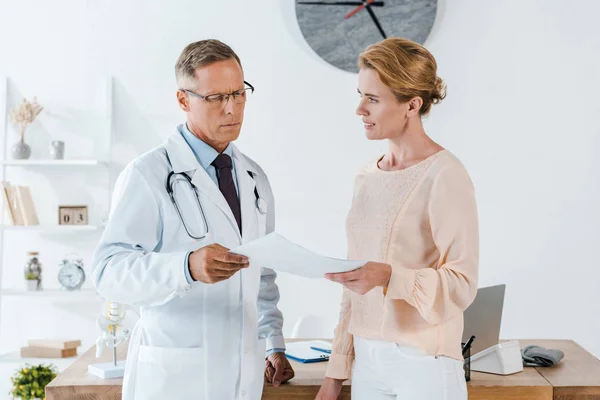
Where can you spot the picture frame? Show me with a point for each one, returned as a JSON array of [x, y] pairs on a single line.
[[72, 215]]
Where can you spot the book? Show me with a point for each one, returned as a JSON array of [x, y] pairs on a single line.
[[21, 205], [47, 352], [7, 206], [26, 206], [54, 343]]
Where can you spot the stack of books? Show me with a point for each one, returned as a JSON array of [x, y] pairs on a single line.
[[50, 348]]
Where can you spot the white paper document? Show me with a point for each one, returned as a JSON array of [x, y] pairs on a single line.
[[276, 252]]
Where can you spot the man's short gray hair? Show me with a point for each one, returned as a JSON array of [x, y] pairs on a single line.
[[200, 54]]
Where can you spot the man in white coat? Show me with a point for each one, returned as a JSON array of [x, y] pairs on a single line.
[[209, 327]]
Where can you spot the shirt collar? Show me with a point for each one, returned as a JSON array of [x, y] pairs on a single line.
[[205, 154]]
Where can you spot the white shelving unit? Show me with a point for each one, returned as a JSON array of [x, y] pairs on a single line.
[[51, 163], [54, 229], [50, 293]]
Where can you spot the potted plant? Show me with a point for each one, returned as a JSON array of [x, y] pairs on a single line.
[[25, 114], [33, 271], [29, 382], [31, 281]]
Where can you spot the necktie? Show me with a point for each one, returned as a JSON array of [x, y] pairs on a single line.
[[223, 165]]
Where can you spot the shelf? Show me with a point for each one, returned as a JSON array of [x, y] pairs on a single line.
[[27, 163], [50, 293], [51, 228]]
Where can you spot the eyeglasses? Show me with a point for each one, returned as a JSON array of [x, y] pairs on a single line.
[[220, 99]]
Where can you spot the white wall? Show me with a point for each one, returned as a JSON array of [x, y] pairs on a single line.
[[522, 113]]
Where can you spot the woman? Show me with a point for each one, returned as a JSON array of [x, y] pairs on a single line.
[[414, 215]]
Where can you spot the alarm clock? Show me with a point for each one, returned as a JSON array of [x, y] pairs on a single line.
[[71, 274]]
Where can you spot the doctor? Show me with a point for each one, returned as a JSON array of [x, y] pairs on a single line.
[[208, 318]]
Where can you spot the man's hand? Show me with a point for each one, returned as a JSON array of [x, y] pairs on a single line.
[[330, 389], [278, 369], [212, 264], [365, 278]]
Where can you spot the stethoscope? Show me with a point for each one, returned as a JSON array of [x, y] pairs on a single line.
[[174, 177]]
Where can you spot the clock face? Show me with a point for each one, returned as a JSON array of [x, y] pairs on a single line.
[[71, 276], [338, 31]]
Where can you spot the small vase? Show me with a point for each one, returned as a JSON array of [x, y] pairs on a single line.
[[21, 150]]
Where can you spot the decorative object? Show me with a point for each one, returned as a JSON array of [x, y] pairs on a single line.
[[338, 31], [21, 210], [29, 382], [57, 150], [25, 114], [71, 274], [72, 215], [116, 324], [20, 150], [33, 272]]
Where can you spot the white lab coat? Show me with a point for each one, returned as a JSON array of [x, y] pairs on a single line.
[[197, 341]]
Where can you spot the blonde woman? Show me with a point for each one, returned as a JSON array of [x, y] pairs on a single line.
[[414, 215]]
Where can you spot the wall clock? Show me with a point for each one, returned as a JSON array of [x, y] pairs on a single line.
[[338, 31]]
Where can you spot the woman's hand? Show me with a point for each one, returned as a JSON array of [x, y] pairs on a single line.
[[330, 389], [365, 278]]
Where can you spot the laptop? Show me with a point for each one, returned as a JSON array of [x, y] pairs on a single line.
[[483, 318]]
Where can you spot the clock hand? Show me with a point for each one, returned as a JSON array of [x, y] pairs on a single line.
[[357, 9], [341, 3], [372, 14]]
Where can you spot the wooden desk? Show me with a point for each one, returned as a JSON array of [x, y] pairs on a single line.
[[577, 377]]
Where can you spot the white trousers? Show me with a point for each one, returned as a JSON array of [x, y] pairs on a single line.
[[386, 371]]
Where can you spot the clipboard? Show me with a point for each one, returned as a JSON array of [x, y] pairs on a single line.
[[321, 345], [303, 353]]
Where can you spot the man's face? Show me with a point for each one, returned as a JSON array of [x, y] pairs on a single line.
[[216, 123]]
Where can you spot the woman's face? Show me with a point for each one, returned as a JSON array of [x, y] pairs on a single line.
[[383, 115]]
